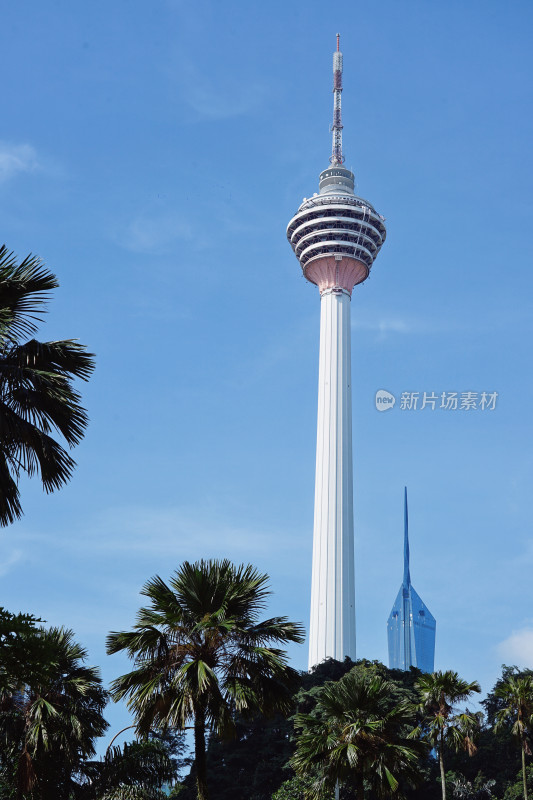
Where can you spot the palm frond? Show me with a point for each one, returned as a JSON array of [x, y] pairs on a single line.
[[24, 292], [37, 397]]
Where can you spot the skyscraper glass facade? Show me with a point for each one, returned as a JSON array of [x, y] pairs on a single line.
[[411, 626]]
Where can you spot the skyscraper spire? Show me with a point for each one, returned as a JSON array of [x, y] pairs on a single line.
[[337, 158], [406, 574], [411, 625]]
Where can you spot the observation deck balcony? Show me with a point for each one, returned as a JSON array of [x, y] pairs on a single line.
[[336, 224]]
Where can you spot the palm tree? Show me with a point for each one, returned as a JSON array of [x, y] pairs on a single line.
[[48, 724], [441, 724], [36, 393], [517, 693], [137, 771], [355, 736], [201, 654]]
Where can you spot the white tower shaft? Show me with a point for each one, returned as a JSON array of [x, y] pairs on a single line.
[[332, 629]]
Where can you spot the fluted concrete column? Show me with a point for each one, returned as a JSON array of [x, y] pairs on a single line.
[[332, 629]]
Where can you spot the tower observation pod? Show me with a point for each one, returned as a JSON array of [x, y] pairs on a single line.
[[335, 236]]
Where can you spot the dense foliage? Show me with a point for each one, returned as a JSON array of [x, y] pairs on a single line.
[[51, 716], [256, 763], [51, 708], [356, 736], [372, 732]]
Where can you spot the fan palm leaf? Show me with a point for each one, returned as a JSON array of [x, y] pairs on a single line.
[[37, 398]]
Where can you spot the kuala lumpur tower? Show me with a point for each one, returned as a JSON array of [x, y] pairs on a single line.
[[335, 236]]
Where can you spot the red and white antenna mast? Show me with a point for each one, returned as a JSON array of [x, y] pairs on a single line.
[[337, 157]]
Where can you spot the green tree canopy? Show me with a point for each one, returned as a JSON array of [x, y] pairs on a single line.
[[354, 738], [50, 716]]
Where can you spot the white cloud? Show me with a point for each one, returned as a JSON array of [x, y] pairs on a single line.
[[384, 326], [154, 233], [223, 102], [525, 556], [156, 530], [518, 648], [216, 97], [9, 560], [174, 531], [15, 159]]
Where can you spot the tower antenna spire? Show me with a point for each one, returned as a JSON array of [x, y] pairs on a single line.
[[337, 158], [406, 573]]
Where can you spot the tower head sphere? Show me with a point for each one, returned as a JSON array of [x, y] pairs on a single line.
[[336, 235]]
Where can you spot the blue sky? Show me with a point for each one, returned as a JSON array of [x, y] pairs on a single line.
[[152, 153]]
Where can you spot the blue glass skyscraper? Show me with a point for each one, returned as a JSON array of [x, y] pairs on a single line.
[[411, 626]]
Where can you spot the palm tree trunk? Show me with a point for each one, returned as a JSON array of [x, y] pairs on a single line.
[[524, 770], [199, 756], [441, 765], [359, 789]]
